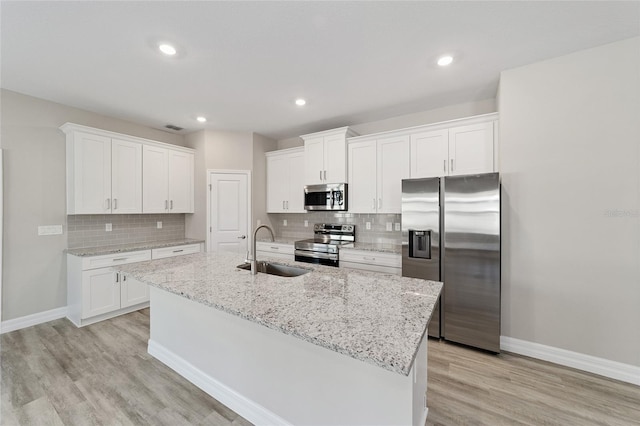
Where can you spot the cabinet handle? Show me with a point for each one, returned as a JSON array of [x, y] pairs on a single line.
[[178, 251], [452, 164], [120, 259], [171, 205], [108, 204], [115, 204], [275, 248], [124, 278], [368, 258], [166, 204], [117, 277], [287, 204], [374, 203], [325, 175], [242, 237], [379, 203], [320, 174], [283, 208], [444, 165]]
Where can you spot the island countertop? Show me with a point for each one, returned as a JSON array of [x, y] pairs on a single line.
[[376, 318]]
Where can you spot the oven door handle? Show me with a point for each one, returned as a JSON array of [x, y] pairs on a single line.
[[316, 255]]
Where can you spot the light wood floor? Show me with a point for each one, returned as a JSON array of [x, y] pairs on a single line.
[[57, 374]]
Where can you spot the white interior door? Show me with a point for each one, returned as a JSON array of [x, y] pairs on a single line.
[[228, 211]]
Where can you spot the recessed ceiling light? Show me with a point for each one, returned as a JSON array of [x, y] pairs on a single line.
[[300, 102], [167, 49], [443, 61], [201, 119]]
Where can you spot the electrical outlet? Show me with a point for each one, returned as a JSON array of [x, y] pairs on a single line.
[[159, 225], [397, 226], [306, 223], [108, 227], [367, 225], [50, 230], [389, 226], [284, 222]]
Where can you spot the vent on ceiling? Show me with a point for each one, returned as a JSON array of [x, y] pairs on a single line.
[[172, 127]]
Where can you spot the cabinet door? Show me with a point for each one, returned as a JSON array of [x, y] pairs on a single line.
[[100, 292], [471, 149], [335, 158], [295, 199], [180, 182], [430, 154], [393, 166], [91, 174], [126, 176], [314, 161], [362, 177], [277, 183], [155, 180], [132, 292]]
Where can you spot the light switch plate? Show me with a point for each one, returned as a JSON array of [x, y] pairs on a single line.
[[284, 222], [397, 226], [159, 225], [108, 227], [306, 223], [389, 226], [50, 230], [367, 225]]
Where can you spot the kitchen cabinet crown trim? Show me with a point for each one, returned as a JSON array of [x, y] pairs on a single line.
[[68, 128], [295, 150], [348, 132], [476, 119]]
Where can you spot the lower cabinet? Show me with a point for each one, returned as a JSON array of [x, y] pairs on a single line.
[[96, 292], [274, 250], [373, 261]]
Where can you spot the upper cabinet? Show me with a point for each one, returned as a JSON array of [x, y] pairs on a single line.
[[447, 149], [167, 180], [105, 174], [325, 156], [377, 166], [285, 188]]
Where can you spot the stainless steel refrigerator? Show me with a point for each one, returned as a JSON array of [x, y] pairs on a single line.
[[451, 233]]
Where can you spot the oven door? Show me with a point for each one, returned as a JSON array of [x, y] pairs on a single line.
[[317, 257]]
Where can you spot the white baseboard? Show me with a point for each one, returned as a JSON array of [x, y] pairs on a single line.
[[604, 367], [34, 319], [248, 409]]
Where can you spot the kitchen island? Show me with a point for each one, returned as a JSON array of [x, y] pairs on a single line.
[[331, 346]]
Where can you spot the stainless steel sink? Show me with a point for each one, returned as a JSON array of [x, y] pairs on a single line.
[[276, 269]]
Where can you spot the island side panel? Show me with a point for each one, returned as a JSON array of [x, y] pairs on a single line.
[[270, 377]]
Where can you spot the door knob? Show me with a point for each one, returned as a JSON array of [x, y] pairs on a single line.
[[242, 237]]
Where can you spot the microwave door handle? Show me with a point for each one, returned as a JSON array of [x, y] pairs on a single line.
[[331, 196]]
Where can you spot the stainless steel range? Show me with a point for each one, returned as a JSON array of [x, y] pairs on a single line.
[[324, 247]]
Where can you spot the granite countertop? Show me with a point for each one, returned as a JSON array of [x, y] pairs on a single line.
[[97, 251], [379, 319]]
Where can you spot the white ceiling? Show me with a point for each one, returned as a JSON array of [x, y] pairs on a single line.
[[242, 64]]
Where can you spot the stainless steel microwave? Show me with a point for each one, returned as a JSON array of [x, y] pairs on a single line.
[[332, 196]]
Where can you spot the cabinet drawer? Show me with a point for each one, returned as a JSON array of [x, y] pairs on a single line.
[[93, 262], [163, 252], [274, 247], [371, 258], [371, 268]]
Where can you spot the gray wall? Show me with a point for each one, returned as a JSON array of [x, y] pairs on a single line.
[[261, 144], [570, 163], [34, 268], [450, 112]]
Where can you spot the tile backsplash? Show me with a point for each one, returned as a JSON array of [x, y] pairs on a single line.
[[377, 234], [88, 231]]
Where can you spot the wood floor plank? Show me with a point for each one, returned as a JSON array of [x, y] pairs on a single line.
[[56, 373]]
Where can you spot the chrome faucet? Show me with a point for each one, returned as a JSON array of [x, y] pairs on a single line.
[[254, 261]]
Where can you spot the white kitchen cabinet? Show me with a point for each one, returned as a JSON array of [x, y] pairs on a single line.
[[285, 174], [104, 174], [376, 169], [167, 180], [325, 156], [373, 261], [96, 292], [275, 250], [457, 150]]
